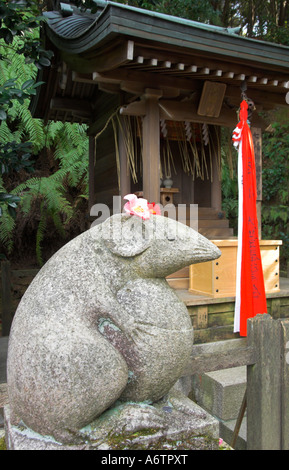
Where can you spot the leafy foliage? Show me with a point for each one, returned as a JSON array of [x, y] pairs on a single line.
[[275, 209], [275, 194], [48, 202], [230, 195], [18, 23], [10, 92], [11, 202], [56, 199], [198, 10], [18, 19]]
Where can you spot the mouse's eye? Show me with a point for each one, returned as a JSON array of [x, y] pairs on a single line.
[[171, 238]]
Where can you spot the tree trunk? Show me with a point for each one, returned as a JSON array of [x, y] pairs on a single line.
[[226, 15], [251, 17], [283, 12]]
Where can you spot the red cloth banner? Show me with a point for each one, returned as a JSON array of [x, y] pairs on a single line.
[[250, 289]]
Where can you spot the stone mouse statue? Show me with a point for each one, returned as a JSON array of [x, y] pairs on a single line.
[[99, 323]]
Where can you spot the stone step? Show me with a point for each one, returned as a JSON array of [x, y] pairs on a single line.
[[221, 394], [210, 213], [214, 223], [206, 220], [213, 229], [207, 223], [216, 233], [201, 212]]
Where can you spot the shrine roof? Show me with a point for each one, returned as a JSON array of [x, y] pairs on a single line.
[[78, 32], [122, 49]]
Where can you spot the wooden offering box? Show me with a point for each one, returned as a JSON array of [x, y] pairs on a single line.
[[218, 278]]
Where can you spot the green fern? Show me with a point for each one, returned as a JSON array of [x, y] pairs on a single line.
[[32, 127], [7, 225], [5, 133], [69, 143], [52, 190]]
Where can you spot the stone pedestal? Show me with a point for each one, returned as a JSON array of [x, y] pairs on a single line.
[[173, 423]]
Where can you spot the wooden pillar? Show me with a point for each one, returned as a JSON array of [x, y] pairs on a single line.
[[284, 325], [257, 141], [151, 146], [268, 384], [125, 187]]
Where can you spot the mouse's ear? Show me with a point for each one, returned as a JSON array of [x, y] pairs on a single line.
[[126, 235]]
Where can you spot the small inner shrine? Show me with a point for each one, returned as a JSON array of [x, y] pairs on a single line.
[[156, 93]]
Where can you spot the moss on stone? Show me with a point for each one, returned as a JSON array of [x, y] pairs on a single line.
[[3, 443], [134, 441]]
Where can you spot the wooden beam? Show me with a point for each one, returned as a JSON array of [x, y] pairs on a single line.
[[229, 75], [187, 111], [262, 81], [109, 87], [137, 108], [149, 79], [139, 60], [187, 85], [120, 54], [138, 89], [82, 78], [210, 362], [240, 76], [181, 69], [152, 62], [166, 64], [132, 87], [217, 73], [191, 69], [268, 100], [202, 72], [80, 107], [100, 78]]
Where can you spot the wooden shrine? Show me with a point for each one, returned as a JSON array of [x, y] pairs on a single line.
[[154, 91]]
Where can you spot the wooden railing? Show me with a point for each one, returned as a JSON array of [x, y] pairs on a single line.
[[265, 352]]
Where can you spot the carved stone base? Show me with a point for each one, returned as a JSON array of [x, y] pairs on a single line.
[[173, 423]]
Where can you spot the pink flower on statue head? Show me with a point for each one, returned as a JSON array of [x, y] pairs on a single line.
[[154, 208], [136, 206], [140, 207]]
